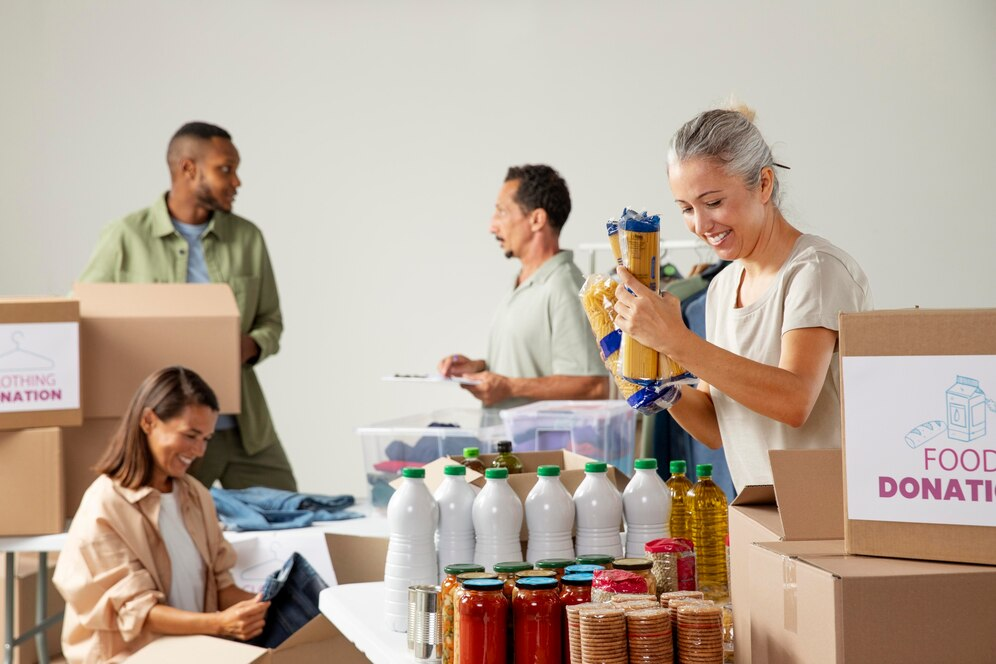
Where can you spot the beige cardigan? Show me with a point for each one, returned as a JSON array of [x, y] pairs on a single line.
[[115, 567]]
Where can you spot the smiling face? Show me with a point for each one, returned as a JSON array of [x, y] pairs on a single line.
[[175, 443], [509, 224], [719, 208], [217, 181]]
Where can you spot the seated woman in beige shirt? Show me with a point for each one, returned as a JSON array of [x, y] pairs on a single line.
[[145, 555]]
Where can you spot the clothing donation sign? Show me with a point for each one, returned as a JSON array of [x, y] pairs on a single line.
[[39, 366], [920, 437]]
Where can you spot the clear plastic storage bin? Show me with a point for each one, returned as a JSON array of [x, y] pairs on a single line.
[[602, 430], [416, 440]]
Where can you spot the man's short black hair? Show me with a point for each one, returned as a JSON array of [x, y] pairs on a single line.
[[541, 187], [188, 141], [201, 130]]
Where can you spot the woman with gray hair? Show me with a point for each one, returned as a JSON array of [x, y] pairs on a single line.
[[768, 366]]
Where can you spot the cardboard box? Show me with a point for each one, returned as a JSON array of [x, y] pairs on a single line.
[[317, 642], [25, 596], [31, 487], [132, 330], [920, 459], [39, 363], [357, 559], [813, 605], [805, 503], [81, 449], [571, 474]]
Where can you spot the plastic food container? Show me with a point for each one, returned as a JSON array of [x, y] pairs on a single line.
[[600, 430], [415, 440]]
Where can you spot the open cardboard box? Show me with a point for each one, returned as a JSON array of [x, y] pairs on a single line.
[[804, 503], [920, 459], [317, 642], [39, 363], [571, 474], [131, 330], [812, 604]]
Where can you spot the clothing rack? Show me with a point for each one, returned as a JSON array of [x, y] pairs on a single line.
[[666, 245]]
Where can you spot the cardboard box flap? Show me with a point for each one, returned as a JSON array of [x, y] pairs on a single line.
[[170, 649], [155, 300], [918, 332], [854, 567], [809, 490], [755, 494], [805, 549], [319, 629]]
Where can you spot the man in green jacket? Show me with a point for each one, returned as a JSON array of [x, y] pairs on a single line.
[[189, 235]]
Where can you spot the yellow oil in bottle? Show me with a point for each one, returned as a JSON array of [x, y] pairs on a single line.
[[679, 486], [710, 524]]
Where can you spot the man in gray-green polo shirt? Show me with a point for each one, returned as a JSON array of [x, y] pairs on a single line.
[[540, 346], [189, 235]]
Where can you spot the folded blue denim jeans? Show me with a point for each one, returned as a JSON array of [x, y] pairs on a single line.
[[293, 595], [260, 508]]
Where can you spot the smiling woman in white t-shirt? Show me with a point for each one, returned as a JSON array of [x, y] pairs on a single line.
[[768, 366]]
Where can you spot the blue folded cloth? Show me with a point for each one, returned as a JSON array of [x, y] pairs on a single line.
[[262, 508]]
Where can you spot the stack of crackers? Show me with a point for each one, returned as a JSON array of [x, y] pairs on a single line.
[[649, 636], [603, 635], [700, 633]]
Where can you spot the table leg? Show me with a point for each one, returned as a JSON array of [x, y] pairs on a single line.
[[41, 607], [8, 609]]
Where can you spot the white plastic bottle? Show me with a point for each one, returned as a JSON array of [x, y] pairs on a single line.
[[412, 516], [497, 521], [455, 537], [646, 507], [549, 517], [598, 511]]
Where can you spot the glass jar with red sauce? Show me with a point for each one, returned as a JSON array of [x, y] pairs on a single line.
[[537, 620], [576, 589], [446, 602], [481, 628]]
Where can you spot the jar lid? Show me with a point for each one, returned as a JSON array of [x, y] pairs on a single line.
[[536, 583], [496, 473], [512, 566], [595, 467], [633, 564], [595, 559], [460, 568], [455, 470], [582, 569], [537, 573], [553, 563], [645, 464], [414, 473], [483, 584], [580, 579], [548, 471], [467, 576]]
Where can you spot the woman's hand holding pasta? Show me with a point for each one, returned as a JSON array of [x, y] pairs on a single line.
[[653, 320]]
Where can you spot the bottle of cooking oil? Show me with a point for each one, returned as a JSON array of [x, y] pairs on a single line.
[[679, 486], [708, 515]]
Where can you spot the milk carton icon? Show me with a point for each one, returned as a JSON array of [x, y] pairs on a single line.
[[966, 410]]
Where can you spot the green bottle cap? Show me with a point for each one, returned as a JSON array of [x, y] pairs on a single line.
[[704, 470], [595, 467], [548, 471], [496, 473], [471, 452], [678, 467], [455, 470], [512, 567], [460, 568], [416, 473], [645, 464]]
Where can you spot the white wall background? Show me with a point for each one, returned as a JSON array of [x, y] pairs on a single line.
[[374, 137]]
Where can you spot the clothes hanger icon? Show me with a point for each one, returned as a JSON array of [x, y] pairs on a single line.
[[18, 359], [252, 573]]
